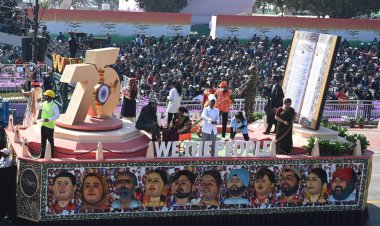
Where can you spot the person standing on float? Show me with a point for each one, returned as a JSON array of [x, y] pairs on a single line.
[[49, 115], [276, 97], [128, 107], [223, 103], [210, 116], [210, 89], [174, 99], [32, 108]]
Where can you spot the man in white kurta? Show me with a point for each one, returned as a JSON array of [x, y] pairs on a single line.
[[211, 118]]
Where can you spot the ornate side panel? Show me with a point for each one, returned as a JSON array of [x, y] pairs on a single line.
[[114, 176], [29, 184]]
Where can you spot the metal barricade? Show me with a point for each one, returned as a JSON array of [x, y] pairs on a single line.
[[12, 78], [335, 109]]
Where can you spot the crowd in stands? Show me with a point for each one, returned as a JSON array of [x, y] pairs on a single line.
[[10, 54], [357, 70], [12, 19], [198, 61]]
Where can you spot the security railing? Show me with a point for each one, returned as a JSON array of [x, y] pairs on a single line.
[[12, 78], [335, 111], [53, 46]]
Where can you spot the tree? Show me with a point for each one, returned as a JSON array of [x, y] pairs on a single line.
[[336, 8], [353, 8], [263, 4], [168, 6]]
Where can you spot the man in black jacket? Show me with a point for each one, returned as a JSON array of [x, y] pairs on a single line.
[[148, 119], [73, 46], [275, 101]]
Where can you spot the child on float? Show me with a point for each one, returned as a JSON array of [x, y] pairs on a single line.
[[239, 124]]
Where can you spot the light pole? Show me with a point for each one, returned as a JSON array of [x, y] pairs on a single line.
[[35, 38]]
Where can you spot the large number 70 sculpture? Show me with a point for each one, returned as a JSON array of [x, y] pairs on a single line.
[[98, 87]]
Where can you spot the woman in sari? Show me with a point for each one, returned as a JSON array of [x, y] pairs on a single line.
[[180, 124], [284, 116], [128, 108]]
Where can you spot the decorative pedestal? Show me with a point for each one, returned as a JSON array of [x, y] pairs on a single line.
[[94, 124], [301, 134], [121, 140]]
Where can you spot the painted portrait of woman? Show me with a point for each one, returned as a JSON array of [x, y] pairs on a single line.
[[95, 192], [209, 188], [155, 189], [316, 187]]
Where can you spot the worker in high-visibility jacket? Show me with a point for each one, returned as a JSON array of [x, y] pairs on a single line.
[[50, 113]]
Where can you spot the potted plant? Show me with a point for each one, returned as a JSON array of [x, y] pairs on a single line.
[[363, 140], [324, 120], [352, 122], [256, 116], [360, 122], [329, 148]]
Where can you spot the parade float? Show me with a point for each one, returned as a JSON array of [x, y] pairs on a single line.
[[105, 172]]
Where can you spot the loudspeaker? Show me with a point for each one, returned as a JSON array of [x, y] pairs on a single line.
[[27, 49]]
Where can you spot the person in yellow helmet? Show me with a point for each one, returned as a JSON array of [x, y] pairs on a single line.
[[50, 113]]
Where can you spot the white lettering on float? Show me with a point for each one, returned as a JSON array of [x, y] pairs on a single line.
[[192, 149]]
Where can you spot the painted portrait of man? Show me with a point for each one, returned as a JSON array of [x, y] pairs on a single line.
[[126, 183], [64, 186], [343, 186], [237, 183], [289, 183], [182, 188]]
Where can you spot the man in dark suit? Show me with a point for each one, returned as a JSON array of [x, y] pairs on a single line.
[[73, 45], [276, 96], [148, 119]]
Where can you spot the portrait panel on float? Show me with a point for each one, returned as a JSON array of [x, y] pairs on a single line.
[[137, 191]]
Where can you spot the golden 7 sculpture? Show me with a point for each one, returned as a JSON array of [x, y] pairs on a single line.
[[98, 87]]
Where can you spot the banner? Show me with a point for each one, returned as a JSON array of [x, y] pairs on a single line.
[[120, 25], [140, 189], [245, 27]]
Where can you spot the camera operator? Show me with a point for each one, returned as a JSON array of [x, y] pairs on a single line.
[[367, 97]]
